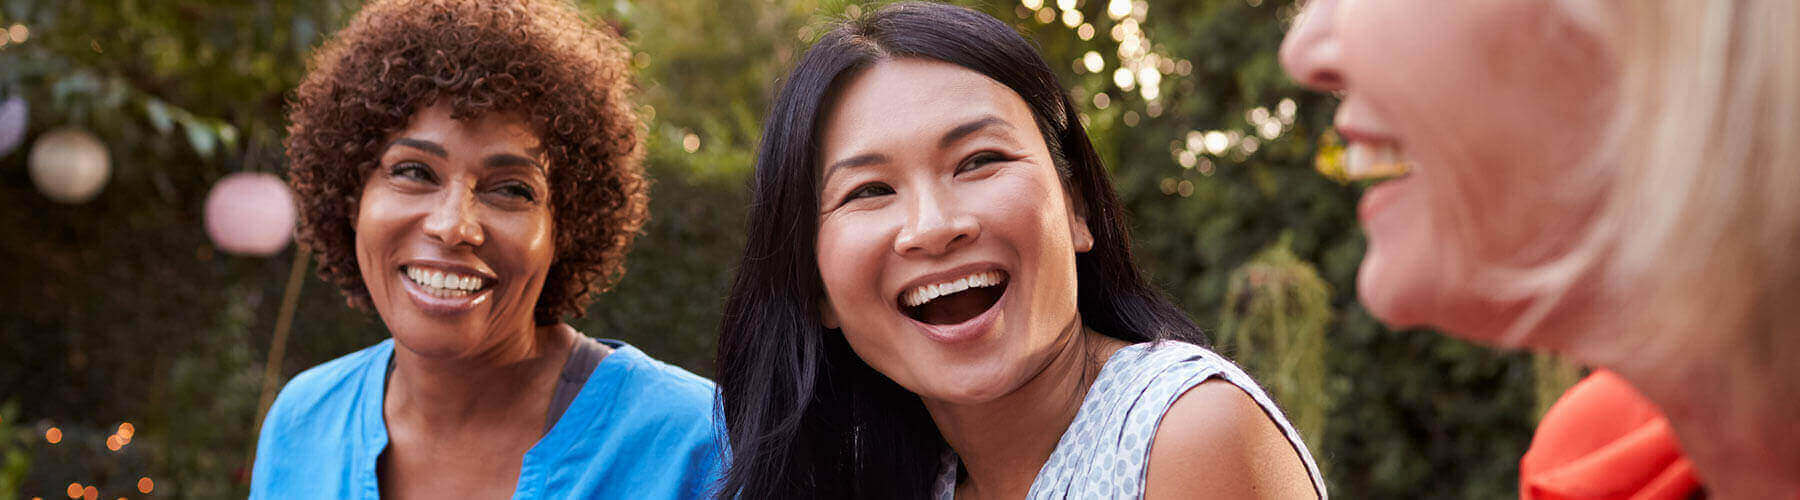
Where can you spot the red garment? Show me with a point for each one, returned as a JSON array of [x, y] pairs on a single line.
[[1603, 440]]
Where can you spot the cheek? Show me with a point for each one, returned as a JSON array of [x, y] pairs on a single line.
[[850, 253]]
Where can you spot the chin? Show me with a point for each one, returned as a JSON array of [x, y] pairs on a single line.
[[966, 385]]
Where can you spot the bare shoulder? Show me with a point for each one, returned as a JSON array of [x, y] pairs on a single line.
[[1216, 442]]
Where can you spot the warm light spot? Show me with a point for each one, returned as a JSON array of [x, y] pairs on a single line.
[[90, 493], [126, 430], [1093, 61], [1032, 4], [75, 490], [1124, 79], [1118, 9], [690, 142], [1065, 4], [54, 435], [1217, 141], [19, 33], [1071, 18], [1285, 110], [1085, 31], [1151, 92], [112, 443], [1044, 16], [1185, 189], [1131, 118], [1196, 140], [1168, 185], [145, 485], [1185, 158], [1101, 100]]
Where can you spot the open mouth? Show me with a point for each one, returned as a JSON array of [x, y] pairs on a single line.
[[445, 284], [955, 301]]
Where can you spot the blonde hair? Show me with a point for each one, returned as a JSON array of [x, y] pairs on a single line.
[[1699, 233]]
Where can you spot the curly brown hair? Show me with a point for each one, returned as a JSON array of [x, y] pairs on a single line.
[[538, 58]]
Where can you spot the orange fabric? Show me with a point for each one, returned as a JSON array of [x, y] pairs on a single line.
[[1604, 441]]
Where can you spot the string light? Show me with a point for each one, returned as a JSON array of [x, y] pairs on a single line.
[[54, 435], [1085, 31], [145, 485], [1071, 18], [1093, 61], [75, 490]]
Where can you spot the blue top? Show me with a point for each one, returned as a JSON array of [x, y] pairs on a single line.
[[639, 429]]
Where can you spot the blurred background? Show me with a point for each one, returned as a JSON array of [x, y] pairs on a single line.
[[136, 346]]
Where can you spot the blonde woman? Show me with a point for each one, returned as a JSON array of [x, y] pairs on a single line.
[[1615, 181]]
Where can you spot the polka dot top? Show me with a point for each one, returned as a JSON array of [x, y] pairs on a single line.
[[1106, 451]]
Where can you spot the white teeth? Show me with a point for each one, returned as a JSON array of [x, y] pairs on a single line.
[[1374, 161], [444, 284], [927, 293]]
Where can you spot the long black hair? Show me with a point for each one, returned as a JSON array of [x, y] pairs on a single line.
[[805, 416]]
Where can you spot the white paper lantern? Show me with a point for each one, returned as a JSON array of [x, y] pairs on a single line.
[[12, 124], [250, 214], [69, 165]]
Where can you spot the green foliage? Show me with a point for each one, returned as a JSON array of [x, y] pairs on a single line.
[[127, 313], [1276, 311]]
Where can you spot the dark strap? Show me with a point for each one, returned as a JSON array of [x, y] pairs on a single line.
[[582, 360]]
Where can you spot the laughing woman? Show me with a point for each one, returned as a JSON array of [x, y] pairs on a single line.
[[938, 298], [470, 170]]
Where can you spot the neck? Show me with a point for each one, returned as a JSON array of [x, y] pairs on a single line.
[[447, 395], [1002, 443], [1731, 407]]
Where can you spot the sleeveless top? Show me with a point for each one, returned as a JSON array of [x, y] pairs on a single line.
[[1105, 452]]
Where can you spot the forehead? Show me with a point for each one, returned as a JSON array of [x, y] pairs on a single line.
[[907, 98]]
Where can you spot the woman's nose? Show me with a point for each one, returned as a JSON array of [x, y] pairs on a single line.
[[1311, 53], [453, 221], [935, 225]]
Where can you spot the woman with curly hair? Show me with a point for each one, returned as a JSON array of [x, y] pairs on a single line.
[[470, 170]]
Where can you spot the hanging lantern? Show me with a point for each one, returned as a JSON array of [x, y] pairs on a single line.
[[12, 124], [69, 165], [250, 214]]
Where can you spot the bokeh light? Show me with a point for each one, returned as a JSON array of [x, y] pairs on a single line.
[[145, 485], [54, 435]]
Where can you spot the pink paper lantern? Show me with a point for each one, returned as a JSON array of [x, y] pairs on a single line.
[[69, 165], [250, 214], [12, 124]]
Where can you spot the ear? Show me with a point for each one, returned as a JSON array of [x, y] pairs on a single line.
[[828, 314]]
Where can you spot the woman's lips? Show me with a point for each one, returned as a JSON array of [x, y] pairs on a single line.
[[442, 303], [969, 330], [1379, 198]]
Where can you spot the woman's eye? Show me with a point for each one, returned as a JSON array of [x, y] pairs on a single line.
[[978, 159], [868, 190], [520, 191], [411, 170]]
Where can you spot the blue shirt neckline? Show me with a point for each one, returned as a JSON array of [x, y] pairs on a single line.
[[590, 406]]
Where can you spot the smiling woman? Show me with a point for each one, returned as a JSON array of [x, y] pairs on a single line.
[[470, 171], [937, 297]]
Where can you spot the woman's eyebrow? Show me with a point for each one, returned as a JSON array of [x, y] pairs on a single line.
[[852, 162], [426, 146], [501, 160], [973, 126]]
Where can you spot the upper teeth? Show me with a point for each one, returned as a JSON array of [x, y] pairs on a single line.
[[443, 279], [923, 294], [1374, 161]]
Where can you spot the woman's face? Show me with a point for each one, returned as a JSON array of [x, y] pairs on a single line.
[[1496, 104], [946, 241], [454, 233]]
